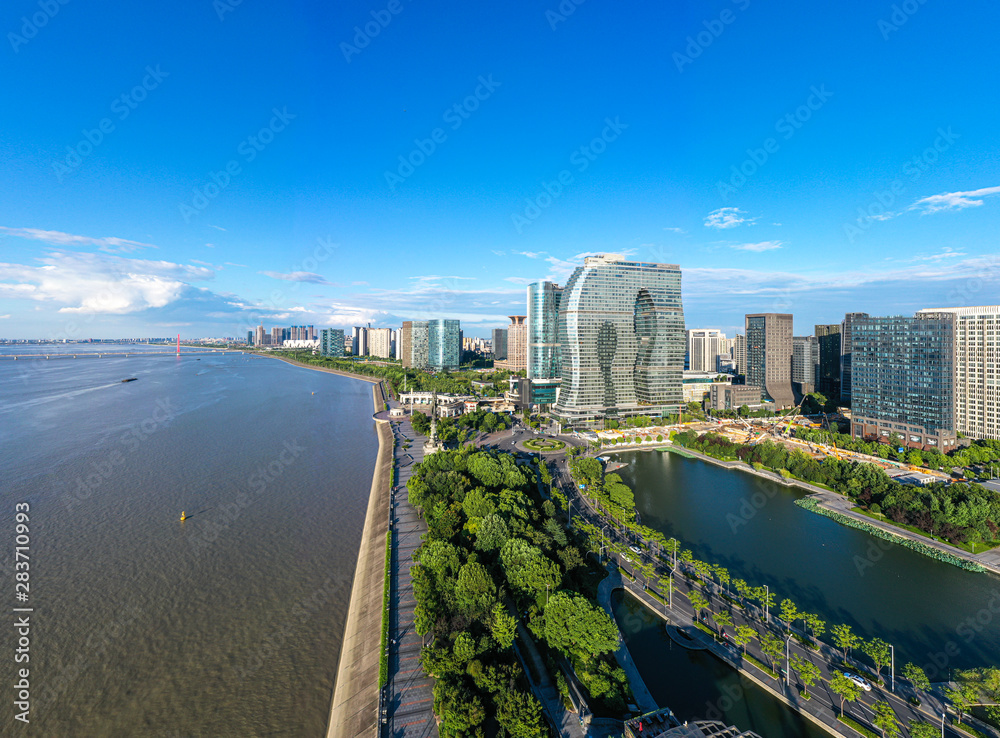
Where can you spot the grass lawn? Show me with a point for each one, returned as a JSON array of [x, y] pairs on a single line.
[[973, 547], [544, 444]]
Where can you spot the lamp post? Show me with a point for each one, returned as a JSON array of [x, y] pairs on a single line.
[[788, 663], [670, 592], [892, 668], [767, 599]]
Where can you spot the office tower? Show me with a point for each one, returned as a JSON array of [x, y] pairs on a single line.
[[977, 369], [443, 347], [348, 345], [828, 383], [277, 337], [331, 342], [740, 353], [703, 345], [499, 344], [902, 375], [259, 336], [805, 363], [543, 330], [517, 345], [249, 338], [380, 342], [846, 350], [621, 336], [769, 356], [414, 342], [392, 344]]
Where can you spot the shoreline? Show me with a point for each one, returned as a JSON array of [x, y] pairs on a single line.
[[828, 500], [293, 362], [354, 706]]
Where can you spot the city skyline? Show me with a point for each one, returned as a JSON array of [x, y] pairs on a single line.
[[141, 201]]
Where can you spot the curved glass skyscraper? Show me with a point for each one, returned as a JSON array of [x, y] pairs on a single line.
[[621, 335], [543, 330]]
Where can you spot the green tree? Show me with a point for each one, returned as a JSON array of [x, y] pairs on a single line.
[[773, 647], [917, 677], [844, 638], [723, 619], [520, 714], [528, 570], [816, 625], [808, 672], [577, 628], [475, 591], [962, 699], [492, 534], [879, 652], [503, 627], [743, 635], [460, 709], [789, 612], [885, 720], [844, 688], [698, 602], [923, 730]]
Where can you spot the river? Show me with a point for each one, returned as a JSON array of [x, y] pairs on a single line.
[[226, 624]]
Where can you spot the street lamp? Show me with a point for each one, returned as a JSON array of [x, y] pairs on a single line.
[[767, 599], [788, 663], [892, 668]]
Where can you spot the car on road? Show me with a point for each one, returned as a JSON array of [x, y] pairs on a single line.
[[859, 681], [635, 549]]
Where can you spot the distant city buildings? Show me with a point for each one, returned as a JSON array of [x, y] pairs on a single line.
[[431, 344], [733, 396], [769, 356], [621, 336], [902, 379], [846, 354], [380, 342], [740, 353], [703, 348], [279, 336]]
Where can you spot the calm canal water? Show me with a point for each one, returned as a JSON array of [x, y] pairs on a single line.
[[935, 614], [228, 624]]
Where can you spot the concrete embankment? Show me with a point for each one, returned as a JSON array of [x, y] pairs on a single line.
[[354, 711]]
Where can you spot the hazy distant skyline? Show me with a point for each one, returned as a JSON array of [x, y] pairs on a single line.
[[200, 168]]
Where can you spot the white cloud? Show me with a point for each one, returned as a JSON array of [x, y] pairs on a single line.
[[674, 230], [109, 244], [218, 228], [498, 253], [531, 254], [5, 317], [759, 246], [360, 283], [310, 277], [726, 218], [210, 245], [234, 264], [520, 280], [953, 200], [95, 283]]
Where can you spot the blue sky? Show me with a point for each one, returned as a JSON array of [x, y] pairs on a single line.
[[200, 167]]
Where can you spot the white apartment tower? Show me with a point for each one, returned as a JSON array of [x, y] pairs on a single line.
[[703, 345], [977, 369]]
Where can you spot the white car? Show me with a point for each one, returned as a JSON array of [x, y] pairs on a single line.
[[635, 549], [859, 681]]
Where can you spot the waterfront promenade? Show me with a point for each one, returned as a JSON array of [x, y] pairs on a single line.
[[355, 705]]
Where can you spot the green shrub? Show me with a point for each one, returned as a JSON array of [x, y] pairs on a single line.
[[855, 725]]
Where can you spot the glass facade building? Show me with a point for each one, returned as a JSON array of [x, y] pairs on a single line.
[[444, 344], [902, 373], [828, 382], [769, 348], [499, 344], [543, 330], [331, 342], [621, 336]]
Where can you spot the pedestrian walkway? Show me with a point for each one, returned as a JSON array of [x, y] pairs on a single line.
[[409, 694]]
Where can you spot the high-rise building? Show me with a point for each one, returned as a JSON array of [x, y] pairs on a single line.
[[517, 345], [621, 336], [769, 356], [249, 338], [828, 381], [380, 342], [846, 352], [740, 353], [331, 342], [277, 336], [499, 344], [443, 344], [543, 330], [703, 346], [902, 375], [977, 369], [805, 363], [259, 336], [359, 334]]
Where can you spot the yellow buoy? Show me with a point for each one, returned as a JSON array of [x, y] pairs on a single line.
[[183, 516]]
